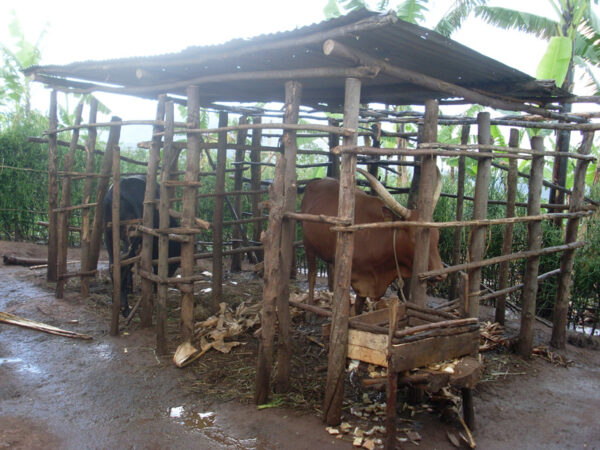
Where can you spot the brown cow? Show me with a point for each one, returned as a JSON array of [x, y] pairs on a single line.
[[374, 265]]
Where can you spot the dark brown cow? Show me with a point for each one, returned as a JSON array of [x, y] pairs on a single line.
[[374, 265]]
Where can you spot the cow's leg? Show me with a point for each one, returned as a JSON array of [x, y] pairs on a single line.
[[359, 304]]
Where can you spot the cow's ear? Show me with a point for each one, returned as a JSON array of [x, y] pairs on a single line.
[[388, 214]]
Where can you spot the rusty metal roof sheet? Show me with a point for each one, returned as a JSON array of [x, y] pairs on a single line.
[[384, 36]]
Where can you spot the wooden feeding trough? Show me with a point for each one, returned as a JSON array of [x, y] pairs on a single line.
[[405, 336]]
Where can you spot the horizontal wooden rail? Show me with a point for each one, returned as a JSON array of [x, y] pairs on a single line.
[[364, 150]]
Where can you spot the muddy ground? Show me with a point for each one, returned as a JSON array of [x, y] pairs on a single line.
[[115, 392]]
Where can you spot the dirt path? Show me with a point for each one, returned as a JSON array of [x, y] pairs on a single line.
[[116, 393]]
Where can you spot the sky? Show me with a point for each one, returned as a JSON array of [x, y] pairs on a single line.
[[79, 30]]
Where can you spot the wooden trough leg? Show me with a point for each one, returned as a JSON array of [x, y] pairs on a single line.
[[468, 410]]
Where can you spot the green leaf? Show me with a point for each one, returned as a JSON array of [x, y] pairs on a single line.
[[555, 63]]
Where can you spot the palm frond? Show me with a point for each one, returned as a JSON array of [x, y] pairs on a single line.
[[509, 19], [412, 10], [456, 15]]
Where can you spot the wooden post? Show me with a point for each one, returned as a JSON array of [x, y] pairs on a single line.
[[190, 206], [534, 243], [52, 271], [460, 203], [561, 307], [415, 183], [255, 157], [482, 185], [507, 242], [103, 181], [236, 258], [418, 288], [65, 200], [293, 95], [338, 341], [333, 169], [217, 279], [116, 236], [392, 380], [90, 146], [163, 239], [148, 215]]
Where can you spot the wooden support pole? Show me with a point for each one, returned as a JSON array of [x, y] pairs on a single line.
[[418, 287], [561, 307], [236, 259], [102, 188], [217, 288], [52, 271], [116, 244], [163, 239], [271, 239], [534, 243], [333, 169], [190, 206], [293, 96], [65, 202], [507, 242], [87, 198], [255, 158], [482, 185], [338, 341], [392, 380], [460, 202], [149, 213]]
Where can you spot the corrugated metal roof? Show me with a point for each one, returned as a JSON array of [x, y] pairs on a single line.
[[384, 36]]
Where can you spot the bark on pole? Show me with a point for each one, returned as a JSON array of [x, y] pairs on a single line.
[[65, 201], [255, 157], [52, 271], [148, 214], [189, 212], [90, 146], [163, 239], [333, 169], [418, 288], [561, 307], [116, 244], [217, 278], [103, 182], [482, 182], [272, 275], [338, 341], [293, 95], [240, 154], [534, 242], [507, 242], [460, 203]]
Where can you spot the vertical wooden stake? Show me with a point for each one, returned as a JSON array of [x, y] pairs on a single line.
[[418, 288], [534, 242], [255, 157], [52, 271], [163, 242], [217, 278], [190, 206], [511, 196], [333, 169], [90, 146], [392, 380], [65, 200], [149, 214], [236, 259], [102, 188], [293, 95], [561, 307], [460, 200], [482, 184], [116, 236], [338, 341]]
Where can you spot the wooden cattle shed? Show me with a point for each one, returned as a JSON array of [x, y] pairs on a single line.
[[334, 66]]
